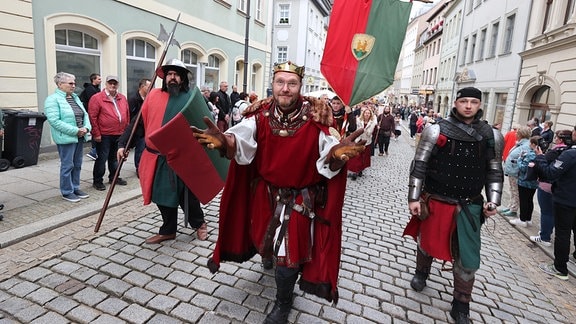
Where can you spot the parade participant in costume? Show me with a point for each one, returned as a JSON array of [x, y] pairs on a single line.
[[344, 118], [447, 213], [366, 121], [285, 189], [160, 184], [385, 129]]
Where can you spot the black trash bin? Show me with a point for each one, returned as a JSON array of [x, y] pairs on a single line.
[[22, 136]]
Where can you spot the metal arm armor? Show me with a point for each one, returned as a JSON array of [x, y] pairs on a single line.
[[420, 163], [495, 177]]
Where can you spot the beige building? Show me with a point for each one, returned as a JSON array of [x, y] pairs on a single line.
[[548, 76]]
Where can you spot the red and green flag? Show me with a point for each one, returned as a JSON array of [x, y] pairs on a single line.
[[363, 45], [202, 170]]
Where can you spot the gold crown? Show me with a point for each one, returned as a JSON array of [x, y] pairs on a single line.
[[289, 67]]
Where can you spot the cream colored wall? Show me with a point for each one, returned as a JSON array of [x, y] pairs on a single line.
[[17, 63]]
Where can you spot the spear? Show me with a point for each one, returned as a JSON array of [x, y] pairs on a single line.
[[169, 39]]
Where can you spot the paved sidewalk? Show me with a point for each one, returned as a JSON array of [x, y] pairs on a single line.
[[33, 203]]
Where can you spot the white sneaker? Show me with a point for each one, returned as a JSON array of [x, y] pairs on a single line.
[[538, 239], [517, 221]]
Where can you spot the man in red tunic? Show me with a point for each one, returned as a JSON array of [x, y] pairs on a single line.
[[284, 193]]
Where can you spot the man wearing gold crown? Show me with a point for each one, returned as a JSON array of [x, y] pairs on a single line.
[[285, 189]]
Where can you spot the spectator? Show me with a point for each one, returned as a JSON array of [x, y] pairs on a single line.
[[214, 104], [91, 89], [253, 97], [509, 141], [135, 103], [563, 173], [511, 170], [109, 116], [69, 124], [526, 186], [234, 96], [562, 140], [159, 182], [239, 107], [534, 127], [224, 107], [264, 166], [547, 136], [413, 119]]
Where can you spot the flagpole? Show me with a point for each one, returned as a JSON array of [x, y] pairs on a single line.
[[136, 121]]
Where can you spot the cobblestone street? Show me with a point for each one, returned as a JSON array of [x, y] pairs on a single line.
[[72, 275]]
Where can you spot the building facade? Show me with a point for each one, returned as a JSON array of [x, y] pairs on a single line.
[[299, 33], [120, 37], [548, 74]]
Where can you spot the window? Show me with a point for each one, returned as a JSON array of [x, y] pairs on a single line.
[[212, 72], [569, 11], [472, 48], [259, 10], [77, 53], [539, 105], [493, 40], [547, 14], [253, 76], [500, 109], [140, 63], [482, 44], [284, 14], [282, 54], [509, 34], [190, 59], [242, 5]]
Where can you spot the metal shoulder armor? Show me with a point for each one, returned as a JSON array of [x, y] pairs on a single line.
[[495, 177], [419, 165]]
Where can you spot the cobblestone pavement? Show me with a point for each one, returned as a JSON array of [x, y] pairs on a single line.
[[72, 275]]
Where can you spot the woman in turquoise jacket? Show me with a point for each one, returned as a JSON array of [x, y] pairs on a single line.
[[526, 186], [69, 124]]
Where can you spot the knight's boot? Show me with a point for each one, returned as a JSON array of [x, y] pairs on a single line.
[[423, 264], [419, 280], [285, 282], [460, 312]]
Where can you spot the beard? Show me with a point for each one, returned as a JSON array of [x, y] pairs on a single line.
[[173, 88]]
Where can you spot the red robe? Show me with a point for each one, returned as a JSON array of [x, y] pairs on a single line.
[[246, 209], [153, 110]]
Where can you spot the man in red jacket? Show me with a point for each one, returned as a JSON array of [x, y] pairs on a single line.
[[109, 116]]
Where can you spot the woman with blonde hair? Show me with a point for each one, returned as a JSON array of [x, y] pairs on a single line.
[[367, 121]]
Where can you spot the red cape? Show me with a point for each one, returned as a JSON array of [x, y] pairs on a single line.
[[435, 231]]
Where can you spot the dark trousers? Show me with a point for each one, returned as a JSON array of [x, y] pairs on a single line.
[[383, 143], [413, 129], [138, 149], [565, 223], [106, 150], [526, 197], [170, 214]]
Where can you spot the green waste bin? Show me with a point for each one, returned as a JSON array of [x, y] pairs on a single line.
[[22, 136]]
